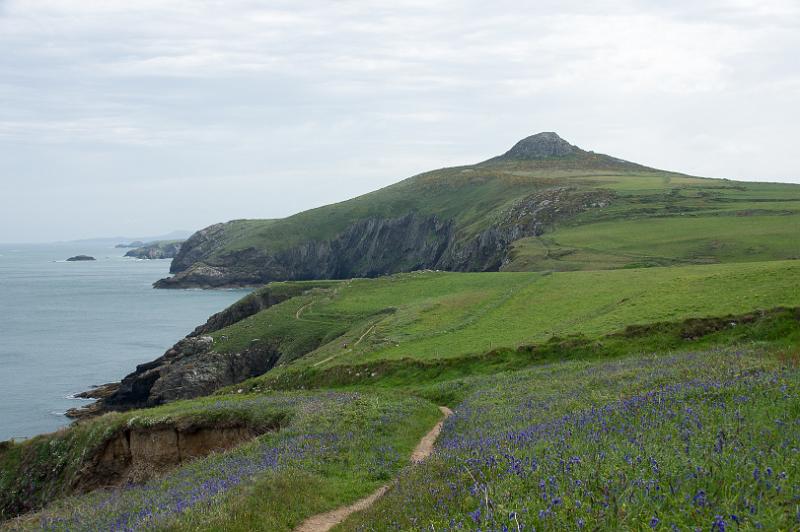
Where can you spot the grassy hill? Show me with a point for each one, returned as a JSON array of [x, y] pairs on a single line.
[[544, 205]]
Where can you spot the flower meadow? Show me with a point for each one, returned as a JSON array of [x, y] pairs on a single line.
[[694, 441], [329, 434]]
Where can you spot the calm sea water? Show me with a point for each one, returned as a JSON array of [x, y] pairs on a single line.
[[65, 326]]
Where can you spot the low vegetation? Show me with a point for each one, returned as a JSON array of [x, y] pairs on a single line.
[[694, 440], [330, 448]]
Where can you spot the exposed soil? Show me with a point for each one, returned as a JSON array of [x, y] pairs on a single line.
[[137, 455], [326, 521]]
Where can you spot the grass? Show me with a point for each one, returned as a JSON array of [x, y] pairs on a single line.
[[775, 330], [662, 241], [693, 439], [434, 315]]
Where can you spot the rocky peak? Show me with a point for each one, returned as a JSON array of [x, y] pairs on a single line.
[[540, 146]]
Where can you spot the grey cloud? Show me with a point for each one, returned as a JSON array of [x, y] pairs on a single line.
[[201, 111]]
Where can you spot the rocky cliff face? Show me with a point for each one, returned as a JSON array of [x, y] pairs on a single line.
[[190, 368], [379, 246]]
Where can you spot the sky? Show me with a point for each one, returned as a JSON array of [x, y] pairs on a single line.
[[142, 117]]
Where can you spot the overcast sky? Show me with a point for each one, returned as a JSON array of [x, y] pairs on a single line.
[[140, 117]]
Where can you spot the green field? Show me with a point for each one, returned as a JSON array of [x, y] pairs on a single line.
[[701, 440], [436, 315], [662, 241]]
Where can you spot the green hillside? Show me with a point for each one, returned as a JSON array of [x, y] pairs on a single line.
[[544, 205]]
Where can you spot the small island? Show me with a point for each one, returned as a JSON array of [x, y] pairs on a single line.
[[80, 258]]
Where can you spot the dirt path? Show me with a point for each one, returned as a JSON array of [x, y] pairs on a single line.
[[347, 351], [328, 520], [302, 309]]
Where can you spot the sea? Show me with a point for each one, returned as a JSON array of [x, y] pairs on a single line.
[[68, 326]]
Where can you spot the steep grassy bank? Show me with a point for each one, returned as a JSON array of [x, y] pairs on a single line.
[[776, 330], [51, 466]]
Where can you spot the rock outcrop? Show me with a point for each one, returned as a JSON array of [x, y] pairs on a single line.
[[78, 258], [156, 250], [540, 146], [188, 369], [191, 368]]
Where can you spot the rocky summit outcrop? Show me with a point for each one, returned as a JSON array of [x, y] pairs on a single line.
[[539, 146], [156, 250]]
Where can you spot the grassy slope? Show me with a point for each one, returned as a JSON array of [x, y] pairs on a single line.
[[765, 216], [273, 483], [437, 315], [332, 448], [659, 221], [700, 439]]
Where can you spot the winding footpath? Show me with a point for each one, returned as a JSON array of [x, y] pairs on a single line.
[[328, 520]]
